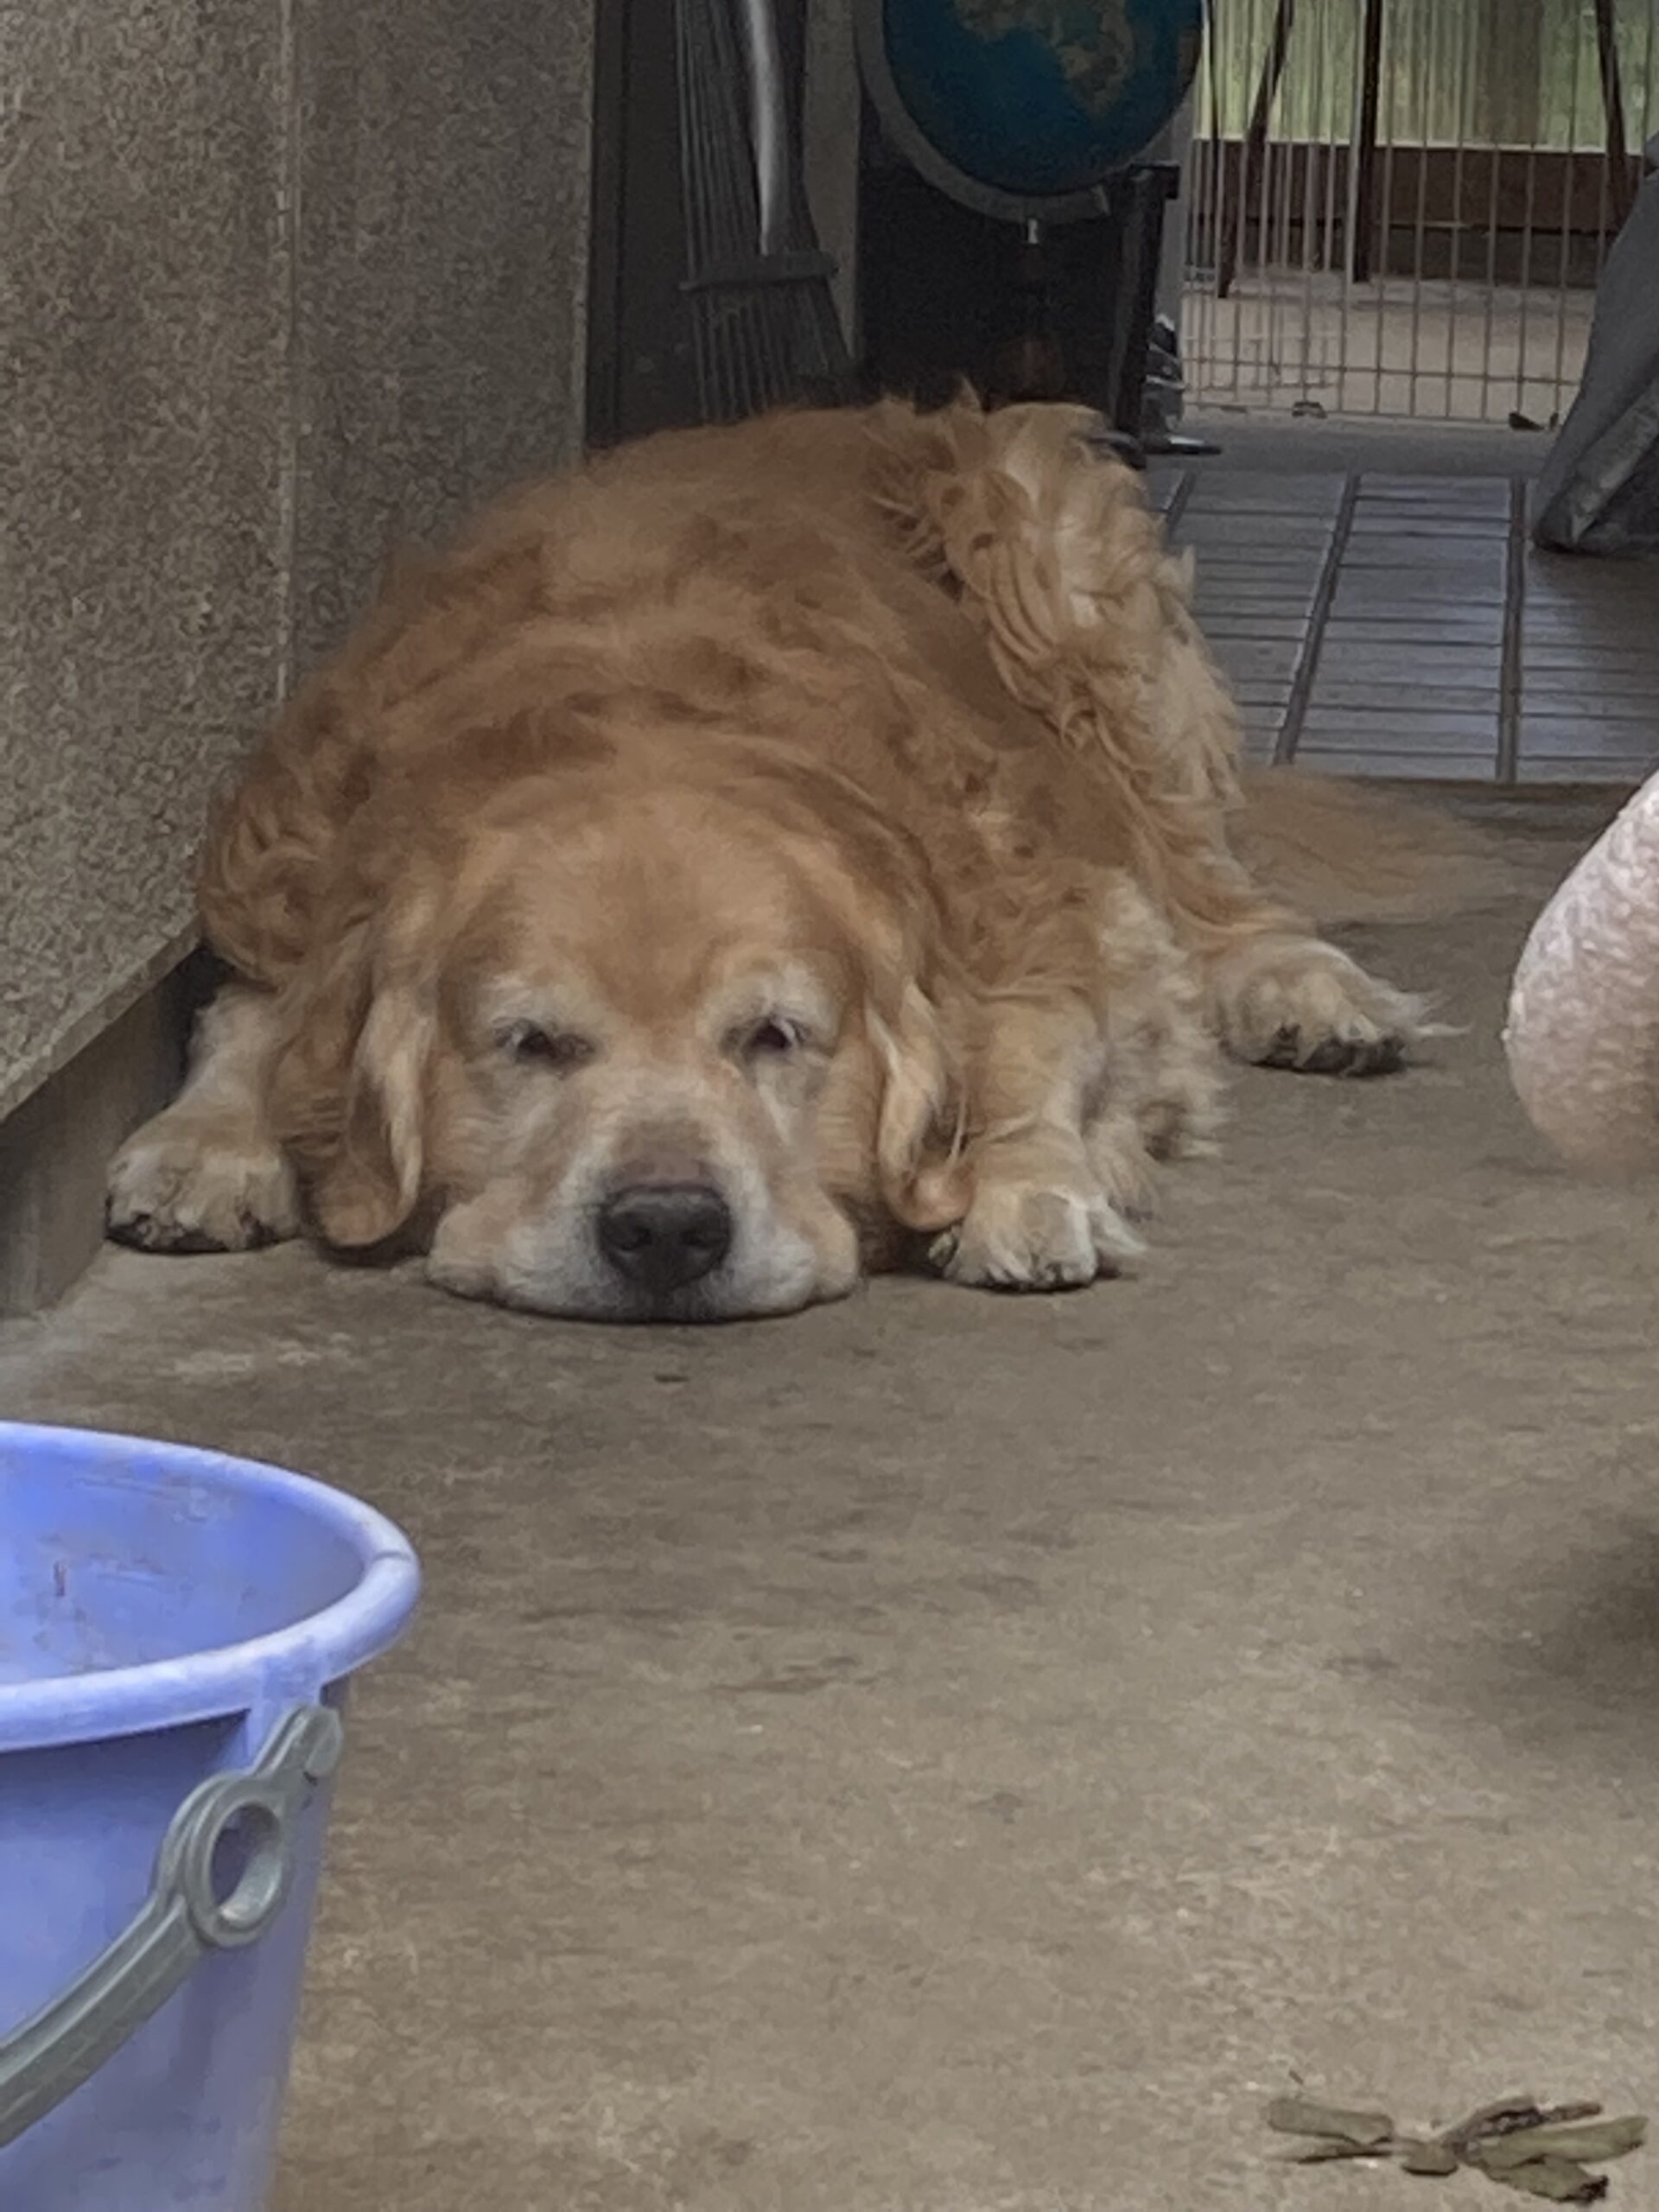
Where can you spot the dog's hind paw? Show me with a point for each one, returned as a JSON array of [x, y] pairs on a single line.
[[1300, 1003]]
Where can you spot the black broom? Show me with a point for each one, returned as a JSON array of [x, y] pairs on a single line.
[[765, 327]]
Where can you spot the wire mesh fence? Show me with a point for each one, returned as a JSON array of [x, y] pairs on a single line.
[[1402, 206]]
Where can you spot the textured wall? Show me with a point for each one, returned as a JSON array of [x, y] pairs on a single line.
[[282, 283], [141, 436], [441, 271]]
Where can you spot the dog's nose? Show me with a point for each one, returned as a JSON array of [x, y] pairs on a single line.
[[664, 1236]]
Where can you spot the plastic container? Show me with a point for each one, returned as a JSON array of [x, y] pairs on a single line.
[[177, 1630]]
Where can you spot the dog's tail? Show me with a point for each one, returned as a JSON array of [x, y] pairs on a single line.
[[1342, 852], [1087, 616]]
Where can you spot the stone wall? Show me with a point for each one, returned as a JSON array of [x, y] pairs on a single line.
[[283, 282]]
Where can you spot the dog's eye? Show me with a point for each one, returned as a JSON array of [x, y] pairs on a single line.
[[772, 1038], [549, 1048]]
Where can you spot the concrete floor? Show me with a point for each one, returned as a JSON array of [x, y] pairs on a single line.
[[950, 1755]]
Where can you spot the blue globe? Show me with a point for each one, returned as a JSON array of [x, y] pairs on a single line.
[[1041, 98]]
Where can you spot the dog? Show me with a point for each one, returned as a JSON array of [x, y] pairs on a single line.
[[767, 855]]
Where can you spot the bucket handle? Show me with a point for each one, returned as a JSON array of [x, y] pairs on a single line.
[[181, 1922]]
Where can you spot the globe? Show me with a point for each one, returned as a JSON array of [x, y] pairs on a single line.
[[1037, 98]]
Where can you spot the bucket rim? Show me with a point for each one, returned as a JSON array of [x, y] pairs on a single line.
[[225, 1679]]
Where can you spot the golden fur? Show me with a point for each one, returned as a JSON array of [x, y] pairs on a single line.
[[829, 817]]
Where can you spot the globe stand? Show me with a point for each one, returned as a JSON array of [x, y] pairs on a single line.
[[1028, 362], [1030, 365]]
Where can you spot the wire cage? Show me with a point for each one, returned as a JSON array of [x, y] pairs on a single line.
[[1402, 207]]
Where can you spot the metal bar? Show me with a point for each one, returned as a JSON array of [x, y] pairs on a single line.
[[1324, 593], [1307, 135], [1255, 138], [1515, 598], [1603, 189], [1563, 244], [1328, 247], [1612, 101], [1390, 132], [1185, 485], [1209, 353], [1465, 33], [1349, 222], [1232, 247], [768, 121], [1266, 276], [1203, 223], [1424, 81], [1364, 152], [1529, 208], [1489, 319], [1281, 155]]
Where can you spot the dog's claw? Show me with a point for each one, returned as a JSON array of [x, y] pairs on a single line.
[[1340, 1056]]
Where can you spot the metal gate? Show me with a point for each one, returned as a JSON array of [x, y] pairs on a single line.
[[1402, 207]]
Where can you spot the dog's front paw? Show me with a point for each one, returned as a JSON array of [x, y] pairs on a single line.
[[1299, 1003], [189, 1184], [1033, 1237]]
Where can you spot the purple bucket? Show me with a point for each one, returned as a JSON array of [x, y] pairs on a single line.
[[177, 1631]]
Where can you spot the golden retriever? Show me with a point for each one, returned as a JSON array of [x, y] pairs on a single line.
[[765, 856]]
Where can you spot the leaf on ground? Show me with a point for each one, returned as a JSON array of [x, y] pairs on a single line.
[[1592, 2142], [1359, 2131], [1509, 2115], [1323, 2149], [1433, 2158], [1539, 2151], [1504, 2111], [1559, 2181]]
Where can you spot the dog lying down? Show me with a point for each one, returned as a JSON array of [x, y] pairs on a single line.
[[764, 856]]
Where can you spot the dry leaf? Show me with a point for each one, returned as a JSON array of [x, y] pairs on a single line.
[[1322, 2150], [1433, 2158], [1559, 2181], [1593, 2143], [1540, 2150], [1507, 2111], [1363, 2130], [1511, 2114]]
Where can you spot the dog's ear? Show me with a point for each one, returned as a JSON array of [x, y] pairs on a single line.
[[920, 1176], [348, 1090]]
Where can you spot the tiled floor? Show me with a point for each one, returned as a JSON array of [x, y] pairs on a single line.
[[1405, 627]]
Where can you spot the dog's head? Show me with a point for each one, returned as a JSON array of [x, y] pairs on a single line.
[[623, 1044]]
